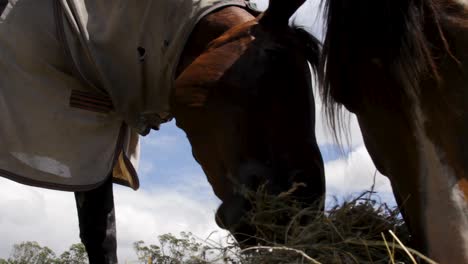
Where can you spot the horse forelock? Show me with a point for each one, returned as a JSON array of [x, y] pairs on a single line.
[[400, 37]]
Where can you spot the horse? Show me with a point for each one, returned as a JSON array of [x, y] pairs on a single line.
[[231, 114], [242, 93], [402, 68]]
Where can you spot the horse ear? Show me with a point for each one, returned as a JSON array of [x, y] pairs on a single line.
[[279, 11]]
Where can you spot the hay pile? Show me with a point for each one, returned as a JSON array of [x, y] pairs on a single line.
[[362, 230]]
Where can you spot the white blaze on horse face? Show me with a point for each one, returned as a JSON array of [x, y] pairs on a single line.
[[446, 211], [44, 164]]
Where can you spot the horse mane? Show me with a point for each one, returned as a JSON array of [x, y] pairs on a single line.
[[312, 47], [406, 38]]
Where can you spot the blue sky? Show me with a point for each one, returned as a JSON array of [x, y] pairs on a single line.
[[174, 194], [167, 159]]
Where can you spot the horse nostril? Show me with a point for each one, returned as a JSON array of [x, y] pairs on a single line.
[[252, 174], [141, 54]]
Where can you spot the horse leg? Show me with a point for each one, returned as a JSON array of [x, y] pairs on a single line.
[[96, 217]]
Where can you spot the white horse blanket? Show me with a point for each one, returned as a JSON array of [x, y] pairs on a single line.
[[80, 78]]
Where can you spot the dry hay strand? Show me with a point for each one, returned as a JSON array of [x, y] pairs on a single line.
[[355, 231]]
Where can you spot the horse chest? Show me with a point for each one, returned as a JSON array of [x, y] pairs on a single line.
[[442, 195]]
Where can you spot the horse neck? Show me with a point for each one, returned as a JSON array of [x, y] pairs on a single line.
[[208, 29], [439, 100]]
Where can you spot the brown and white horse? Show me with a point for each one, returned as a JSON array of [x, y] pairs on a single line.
[[402, 67]]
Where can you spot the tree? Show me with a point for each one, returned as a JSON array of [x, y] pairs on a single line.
[[146, 253], [31, 252], [172, 250], [76, 254]]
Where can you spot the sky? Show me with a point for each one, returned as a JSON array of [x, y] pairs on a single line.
[[174, 194]]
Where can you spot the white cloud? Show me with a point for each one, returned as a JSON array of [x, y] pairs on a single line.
[[145, 168], [36, 214], [49, 217], [351, 133], [355, 174], [160, 141], [143, 215], [310, 17]]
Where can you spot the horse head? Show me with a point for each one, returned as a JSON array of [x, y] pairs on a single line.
[[247, 107], [402, 68]]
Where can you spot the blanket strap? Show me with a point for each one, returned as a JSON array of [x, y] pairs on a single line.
[[98, 101]]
